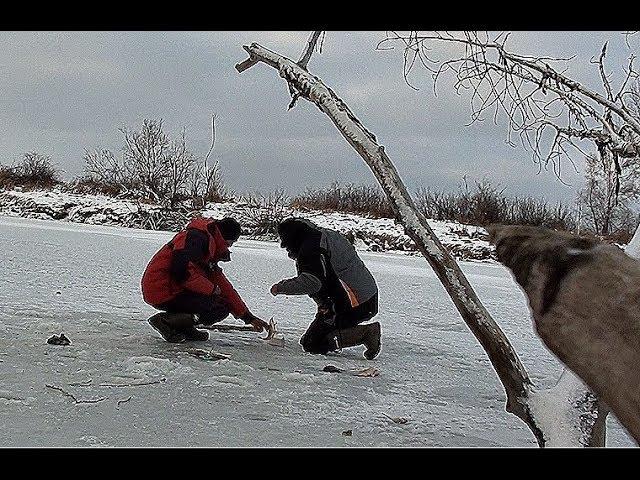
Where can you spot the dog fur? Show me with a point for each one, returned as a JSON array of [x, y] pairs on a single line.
[[584, 296]]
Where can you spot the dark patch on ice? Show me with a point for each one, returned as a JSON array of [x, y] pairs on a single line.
[[331, 369], [59, 340]]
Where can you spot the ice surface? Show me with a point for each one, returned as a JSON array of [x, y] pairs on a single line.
[[84, 281]]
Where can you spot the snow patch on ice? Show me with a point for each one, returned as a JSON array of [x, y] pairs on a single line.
[[8, 398], [301, 377], [145, 367], [225, 380], [229, 373], [93, 441], [230, 367]]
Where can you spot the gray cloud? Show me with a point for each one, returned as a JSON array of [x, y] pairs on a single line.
[[64, 92]]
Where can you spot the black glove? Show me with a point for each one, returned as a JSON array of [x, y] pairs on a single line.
[[248, 317], [258, 324]]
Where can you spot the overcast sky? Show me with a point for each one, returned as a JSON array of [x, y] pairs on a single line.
[[64, 92]]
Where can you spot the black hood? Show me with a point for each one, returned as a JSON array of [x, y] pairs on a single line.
[[294, 232]]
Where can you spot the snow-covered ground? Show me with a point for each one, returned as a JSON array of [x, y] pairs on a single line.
[[83, 280]]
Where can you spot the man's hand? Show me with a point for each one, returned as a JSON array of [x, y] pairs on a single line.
[[259, 325], [274, 289]]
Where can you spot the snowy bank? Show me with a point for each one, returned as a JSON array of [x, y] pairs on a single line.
[[368, 234]]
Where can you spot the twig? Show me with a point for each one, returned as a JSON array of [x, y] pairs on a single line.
[[311, 45], [627, 35], [213, 138], [132, 384], [67, 394], [81, 384], [294, 99], [227, 328], [210, 355], [124, 401], [400, 420]]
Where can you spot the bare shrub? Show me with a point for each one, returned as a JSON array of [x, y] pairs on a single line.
[[206, 185], [33, 171], [266, 212], [158, 166], [607, 198], [87, 184], [350, 198], [483, 206], [534, 212], [160, 218], [7, 177], [486, 204], [106, 173], [154, 168]]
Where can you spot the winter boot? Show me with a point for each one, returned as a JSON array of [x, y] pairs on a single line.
[[367, 335], [171, 325], [192, 334]]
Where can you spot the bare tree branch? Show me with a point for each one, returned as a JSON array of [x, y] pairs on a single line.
[[520, 86], [303, 62], [311, 45], [67, 394], [242, 66], [213, 138]]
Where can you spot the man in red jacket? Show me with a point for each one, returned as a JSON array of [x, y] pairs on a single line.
[[184, 280]]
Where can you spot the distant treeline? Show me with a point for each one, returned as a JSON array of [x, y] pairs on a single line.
[[155, 169]]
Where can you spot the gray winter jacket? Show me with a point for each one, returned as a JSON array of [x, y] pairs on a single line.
[[329, 266]]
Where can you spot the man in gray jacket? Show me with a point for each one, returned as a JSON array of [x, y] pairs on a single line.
[[333, 275]]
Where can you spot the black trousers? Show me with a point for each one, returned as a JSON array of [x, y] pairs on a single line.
[[319, 336], [209, 308]]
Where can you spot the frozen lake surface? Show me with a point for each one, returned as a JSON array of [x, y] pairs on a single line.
[[84, 281]]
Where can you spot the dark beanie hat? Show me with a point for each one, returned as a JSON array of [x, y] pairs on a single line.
[[229, 228], [293, 232]]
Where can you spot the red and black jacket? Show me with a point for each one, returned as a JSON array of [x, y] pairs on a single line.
[[189, 262]]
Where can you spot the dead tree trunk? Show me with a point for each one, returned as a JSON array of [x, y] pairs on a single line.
[[511, 372]]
